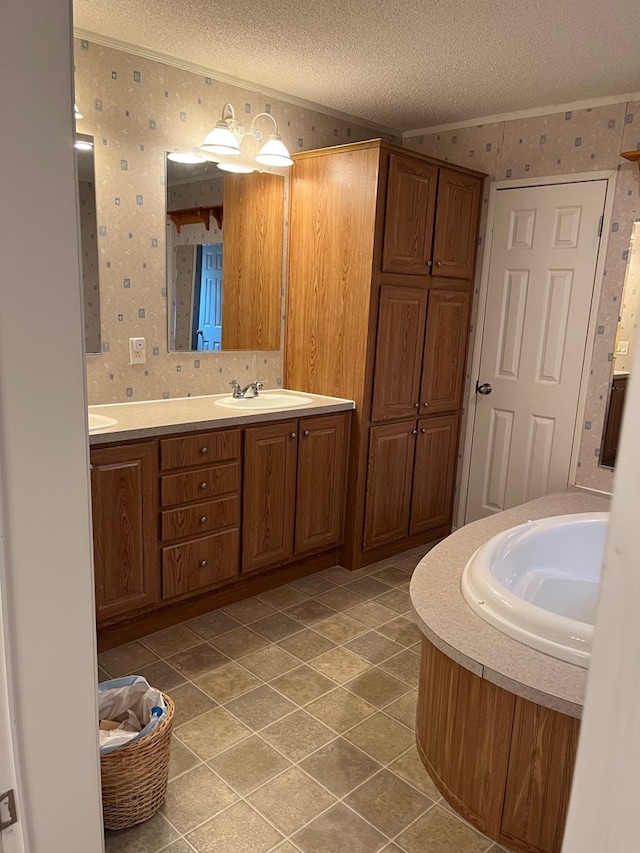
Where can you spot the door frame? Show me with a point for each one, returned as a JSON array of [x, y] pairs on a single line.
[[610, 176]]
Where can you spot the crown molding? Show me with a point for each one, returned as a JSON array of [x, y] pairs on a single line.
[[220, 77], [530, 113]]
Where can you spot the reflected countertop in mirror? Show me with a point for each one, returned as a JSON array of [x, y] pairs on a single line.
[[224, 258]]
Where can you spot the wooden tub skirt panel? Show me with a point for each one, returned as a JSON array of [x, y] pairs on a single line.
[[504, 763]]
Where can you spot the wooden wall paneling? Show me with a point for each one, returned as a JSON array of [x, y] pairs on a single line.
[[124, 499], [434, 473], [410, 203], [269, 490], [456, 227], [389, 474], [543, 753], [252, 261], [320, 494], [445, 351], [399, 346], [331, 242]]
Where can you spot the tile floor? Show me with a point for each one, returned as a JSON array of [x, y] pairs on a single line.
[[293, 728]]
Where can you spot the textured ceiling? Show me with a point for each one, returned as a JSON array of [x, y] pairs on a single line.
[[400, 63]]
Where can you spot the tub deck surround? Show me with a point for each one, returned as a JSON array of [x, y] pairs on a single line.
[[149, 418], [448, 622]]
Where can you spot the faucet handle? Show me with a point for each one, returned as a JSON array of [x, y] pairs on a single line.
[[259, 383], [237, 390]]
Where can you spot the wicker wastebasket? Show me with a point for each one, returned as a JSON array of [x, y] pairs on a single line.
[[134, 777]]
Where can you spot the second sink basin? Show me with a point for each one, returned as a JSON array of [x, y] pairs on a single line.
[[97, 422], [264, 401]]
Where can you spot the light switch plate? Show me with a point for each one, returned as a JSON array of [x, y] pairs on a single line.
[[622, 348]]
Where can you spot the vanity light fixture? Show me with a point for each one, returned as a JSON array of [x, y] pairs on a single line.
[[76, 112], [225, 139], [189, 157], [83, 142]]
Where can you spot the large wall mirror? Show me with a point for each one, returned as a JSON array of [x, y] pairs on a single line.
[[88, 242], [224, 258], [627, 340]]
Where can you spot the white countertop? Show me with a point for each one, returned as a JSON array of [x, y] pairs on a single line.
[[149, 418], [448, 622]]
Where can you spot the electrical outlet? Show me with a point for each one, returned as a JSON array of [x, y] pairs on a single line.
[[622, 348], [137, 351]]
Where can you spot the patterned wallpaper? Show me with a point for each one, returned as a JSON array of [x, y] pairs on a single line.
[[630, 308], [136, 109], [89, 249], [558, 144]]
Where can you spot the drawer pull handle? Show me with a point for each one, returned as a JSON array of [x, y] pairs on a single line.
[[204, 564], [203, 519], [306, 432], [204, 450], [203, 485], [293, 435]]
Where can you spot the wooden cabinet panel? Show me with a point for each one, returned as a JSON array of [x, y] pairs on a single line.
[[613, 421], [433, 473], [399, 344], [200, 518], [389, 473], [124, 501], [455, 239], [200, 484], [200, 563], [541, 762], [408, 220], [199, 449], [445, 351], [252, 261], [321, 483], [269, 495]]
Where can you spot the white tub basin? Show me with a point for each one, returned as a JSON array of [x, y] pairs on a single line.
[[266, 400], [97, 422], [539, 583]]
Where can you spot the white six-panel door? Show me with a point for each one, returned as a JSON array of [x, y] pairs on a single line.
[[541, 278]]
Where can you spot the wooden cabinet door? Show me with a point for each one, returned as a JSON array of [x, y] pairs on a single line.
[[454, 248], [434, 473], [388, 494], [322, 471], [398, 359], [408, 219], [125, 542], [445, 350], [269, 495]]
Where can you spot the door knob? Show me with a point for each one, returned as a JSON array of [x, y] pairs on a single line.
[[484, 389]]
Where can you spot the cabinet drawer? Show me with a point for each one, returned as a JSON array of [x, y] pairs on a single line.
[[200, 518], [201, 563], [199, 449], [200, 484]]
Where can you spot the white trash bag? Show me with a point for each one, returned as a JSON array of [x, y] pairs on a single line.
[[128, 708]]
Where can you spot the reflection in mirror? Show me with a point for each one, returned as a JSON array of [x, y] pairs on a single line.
[[224, 258], [627, 339], [88, 242]]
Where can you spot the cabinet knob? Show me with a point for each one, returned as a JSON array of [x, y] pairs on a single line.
[[425, 404], [204, 564], [203, 519], [438, 263], [414, 432], [293, 435], [306, 432], [204, 450], [203, 485], [429, 264], [91, 467], [423, 429], [416, 405]]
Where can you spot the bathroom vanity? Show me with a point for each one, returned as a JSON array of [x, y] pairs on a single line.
[[497, 721], [198, 502]]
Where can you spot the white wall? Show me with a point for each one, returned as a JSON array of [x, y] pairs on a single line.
[[48, 585]]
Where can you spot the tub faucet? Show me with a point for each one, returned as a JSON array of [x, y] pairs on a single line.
[[239, 393]]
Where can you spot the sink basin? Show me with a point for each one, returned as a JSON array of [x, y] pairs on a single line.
[[266, 401], [97, 422]]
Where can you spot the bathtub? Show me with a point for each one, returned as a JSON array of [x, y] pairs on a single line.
[[538, 583]]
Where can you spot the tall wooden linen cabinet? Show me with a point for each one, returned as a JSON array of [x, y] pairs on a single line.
[[382, 250]]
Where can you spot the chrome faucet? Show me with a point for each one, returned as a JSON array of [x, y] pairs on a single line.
[[239, 392]]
